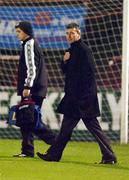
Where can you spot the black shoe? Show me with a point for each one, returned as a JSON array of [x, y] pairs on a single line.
[[48, 157], [22, 155], [109, 161]]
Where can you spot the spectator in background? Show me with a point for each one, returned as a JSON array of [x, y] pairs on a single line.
[[80, 100], [32, 81]]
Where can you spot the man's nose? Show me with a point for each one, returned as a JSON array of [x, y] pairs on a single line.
[[69, 35]]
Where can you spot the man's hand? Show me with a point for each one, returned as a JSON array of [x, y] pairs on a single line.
[[66, 56], [26, 92]]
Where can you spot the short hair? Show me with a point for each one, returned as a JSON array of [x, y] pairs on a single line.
[[73, 25], [26, 27]]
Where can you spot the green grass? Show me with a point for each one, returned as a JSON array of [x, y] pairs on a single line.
[[77, 163]]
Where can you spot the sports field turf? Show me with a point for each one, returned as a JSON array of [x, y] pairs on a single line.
[[77, 163]]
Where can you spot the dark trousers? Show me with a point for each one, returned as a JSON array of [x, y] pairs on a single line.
[[28, 133], [65, 133]]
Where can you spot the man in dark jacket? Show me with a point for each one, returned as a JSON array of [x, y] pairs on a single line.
[[32, 81], [80, 100]]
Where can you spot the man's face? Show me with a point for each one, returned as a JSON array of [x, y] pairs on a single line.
[[20, 34], [72, 35]]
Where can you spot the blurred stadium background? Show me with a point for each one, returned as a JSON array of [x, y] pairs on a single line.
[[101, 25]]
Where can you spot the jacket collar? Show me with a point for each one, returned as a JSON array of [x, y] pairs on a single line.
[[23, 42], [76, 43]]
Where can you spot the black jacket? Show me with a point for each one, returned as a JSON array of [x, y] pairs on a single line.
[[80, 98], [31, 70]]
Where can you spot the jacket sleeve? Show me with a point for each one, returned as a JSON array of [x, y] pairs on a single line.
[[30, 64], [87, 64], [87, 75], [64, 65]]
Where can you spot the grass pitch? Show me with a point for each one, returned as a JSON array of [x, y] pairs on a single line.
[[77, 163]]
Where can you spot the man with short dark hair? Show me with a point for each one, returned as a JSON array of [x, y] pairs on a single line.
[[32, 81], [80, 100]]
